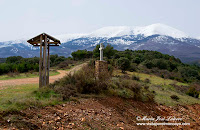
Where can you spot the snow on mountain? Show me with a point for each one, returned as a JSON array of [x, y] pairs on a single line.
[[116, 31], [113, 31], [67, 37]]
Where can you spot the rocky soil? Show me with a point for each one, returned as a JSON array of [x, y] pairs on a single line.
[[99, 113]]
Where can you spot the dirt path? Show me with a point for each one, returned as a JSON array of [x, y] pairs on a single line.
[[36, 79]]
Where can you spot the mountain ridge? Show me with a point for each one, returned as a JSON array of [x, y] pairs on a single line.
[[157, 37]]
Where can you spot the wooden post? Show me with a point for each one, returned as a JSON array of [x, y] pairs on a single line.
[[45, 61], [48, 65], [40, 65]]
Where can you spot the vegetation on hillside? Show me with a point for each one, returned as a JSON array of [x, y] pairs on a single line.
[[18, 64], [145, 61], [85, 82], [146, 76], [149, 62]]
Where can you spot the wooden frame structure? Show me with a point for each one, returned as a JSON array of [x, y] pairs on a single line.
[[44, 41]]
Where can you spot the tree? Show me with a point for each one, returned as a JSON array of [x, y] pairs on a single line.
[[188, 72], [80, 54], [160, 63], [148, 64], [108, 51], [137, 60], [123, 63], [53, 58], [96, 52], [13, 59]]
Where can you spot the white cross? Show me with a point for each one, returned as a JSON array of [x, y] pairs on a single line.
[[101, 51]]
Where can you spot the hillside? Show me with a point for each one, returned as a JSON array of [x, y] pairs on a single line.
[[157, 37], [138, 84], [100, 111]]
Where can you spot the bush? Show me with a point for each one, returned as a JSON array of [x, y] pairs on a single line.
[[126, 93], [125, 76], [44, 93], [134, 77], [81, 82], [85, 82], [148, 64], [81, 54], [65, 64], [123, 63], [147, 80], [66, 91], [110, 69], [133, 67], [91, 63], [193, 92], [175, 97]]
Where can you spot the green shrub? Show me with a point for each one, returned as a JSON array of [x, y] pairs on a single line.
[[81, 82], [133, 67], [134, 77], [123, 63], [175, 97], [149, 64], [110, 69], [91, 63], [126, 93], [66, 91], [193, 92], [44, 93], [147, 80]]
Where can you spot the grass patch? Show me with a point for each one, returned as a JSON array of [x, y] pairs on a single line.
[[26, 75], [163, 88], [163, 96], [155, 80], [14, 98]]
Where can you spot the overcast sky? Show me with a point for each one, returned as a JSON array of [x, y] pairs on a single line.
[[27, 18]]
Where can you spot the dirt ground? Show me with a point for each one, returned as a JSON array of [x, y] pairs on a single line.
[[36, 80], [99, 113]]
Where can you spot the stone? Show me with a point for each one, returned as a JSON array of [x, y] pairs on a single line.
[[101, 67]]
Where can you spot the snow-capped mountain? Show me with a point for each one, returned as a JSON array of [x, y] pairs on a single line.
[[117, 31], [157, 37]]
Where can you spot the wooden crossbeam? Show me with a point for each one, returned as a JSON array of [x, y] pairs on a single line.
[[43, 42], [37, 38], [49, 45]]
